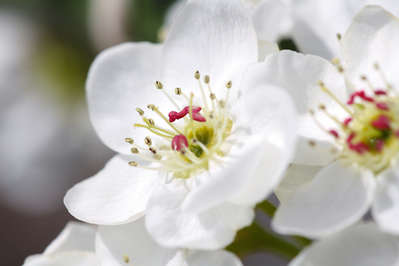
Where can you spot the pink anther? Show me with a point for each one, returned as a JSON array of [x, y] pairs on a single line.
[[179, 142], [380, 92], [382, 106], [382, 122], [334, 133], [361, 94], [358, 147], [347, 121], [173, 115]]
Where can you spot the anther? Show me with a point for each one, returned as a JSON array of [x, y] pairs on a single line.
[[148, 141], [159, 85], [134, 150], [197, 75], [221, 103], [206, 79], [154, 151], [339, 36], [151, 107], [212, 96], [140, 111], [126, 259], [312, 143], [133, 163], [129, 140], [322, 107], [229, 84], [151, 122], [178, 91]]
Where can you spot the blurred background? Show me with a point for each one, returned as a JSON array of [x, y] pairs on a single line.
[[47, 143]]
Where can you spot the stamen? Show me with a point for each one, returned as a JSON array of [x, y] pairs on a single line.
[[148, 141], [140, 111], [328, 92], [323, 108], [134, 150], [179, 143], [159, 86], [178, 91], [361, 94], [382, 76], [382, 106], [133, 163], [197, 76], [380, 92], [155, 109], [129, 140], [365, 79]]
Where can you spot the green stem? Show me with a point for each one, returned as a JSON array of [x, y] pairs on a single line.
[[267, 207], [254, 239]]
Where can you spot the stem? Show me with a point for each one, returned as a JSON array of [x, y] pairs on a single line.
[[267, 207], [254, 239]]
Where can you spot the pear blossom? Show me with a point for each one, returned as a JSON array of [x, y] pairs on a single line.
[[360, 245], [130, 244], [75, 245], [200, 139], [346, 161]]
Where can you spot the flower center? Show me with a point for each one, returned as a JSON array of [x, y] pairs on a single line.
[[369, 136], [194, 136]]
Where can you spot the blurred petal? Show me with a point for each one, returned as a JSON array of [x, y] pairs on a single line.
[[362, 245], [386, 202], [75, 236], [211, 229], [120, 80], [63, 259], [214, 258], [295, 177], [130, 242], [299, 75], [336, 198], [117, 194], [216, 38], [372, 38]]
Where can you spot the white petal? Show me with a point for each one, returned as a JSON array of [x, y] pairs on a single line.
[[255, 165], [265, 49], [295, 177], [214, 258], [172, 227], [117, 194], [216, 38], [386, 203], [272, 20], [299, 75], [362, 245], [63, 259], [179, 259], [74, 237], [372, 38], [116, 244], [337, 197], [121, 79]]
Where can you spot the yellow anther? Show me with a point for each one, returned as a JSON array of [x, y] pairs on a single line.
[[129, 140], [151, 122], [140, 111], [151, 107], [133, 163], [207, 79], [154, 151], [126, 259], [148, 141], [339, 36], [229, 84], [159, 85], [197, 75], [178, 91], [134, 150], [212, 96]]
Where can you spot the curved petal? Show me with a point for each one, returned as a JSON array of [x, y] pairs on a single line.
[[172, 227], [295, 177], [336, 198], [299, 75], [386, 202], [372, 38], [120, 80], [272, 20], [215, 38], [130, 243], [63, 259], [74, 237], [254, 165], [362, 245], [179, 259], [214, 258], [117, 194]]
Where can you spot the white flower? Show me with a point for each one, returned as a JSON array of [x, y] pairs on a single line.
[[74, 246], [196, 178], [361, 245], [130, 244], [313, 24], [348, 145]]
